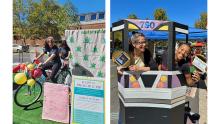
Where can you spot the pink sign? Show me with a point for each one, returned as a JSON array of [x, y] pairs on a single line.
[[56, 103], [146, 24]]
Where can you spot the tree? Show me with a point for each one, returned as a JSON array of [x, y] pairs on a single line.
[[20, 13], [71, 12], [202, 22], [47, 18], [160, 14], [132, 16]]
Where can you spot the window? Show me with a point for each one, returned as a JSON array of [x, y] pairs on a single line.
[[93, 17], [82, 18], [101, 16]]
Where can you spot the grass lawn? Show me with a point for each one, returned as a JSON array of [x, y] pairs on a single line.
[[32, 115]]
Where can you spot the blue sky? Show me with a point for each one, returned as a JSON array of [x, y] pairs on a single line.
[[182, 11], [85, 6]]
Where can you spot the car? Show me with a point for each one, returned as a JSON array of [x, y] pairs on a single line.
[[25, 48], [17, 48]]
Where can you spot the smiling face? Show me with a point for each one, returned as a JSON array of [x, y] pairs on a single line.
[[182, 52], [140, 44], [50, 42]]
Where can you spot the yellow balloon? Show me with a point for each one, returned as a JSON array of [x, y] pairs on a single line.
[[132, 78], [20, 78], [30, 66], [31, 82], [163, 78]]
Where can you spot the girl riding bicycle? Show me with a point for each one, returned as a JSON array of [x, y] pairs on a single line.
[[53, 62]]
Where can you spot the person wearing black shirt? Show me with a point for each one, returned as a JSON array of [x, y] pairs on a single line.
[[53, 62], [182, 64], [64, 51]]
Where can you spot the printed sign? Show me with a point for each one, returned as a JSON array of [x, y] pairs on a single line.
[[56, 102], [87, 100], [146, 24], [199, 64]]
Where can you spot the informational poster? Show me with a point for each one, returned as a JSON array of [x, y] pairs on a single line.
[[87, 100], [56, 102], [87, 52]]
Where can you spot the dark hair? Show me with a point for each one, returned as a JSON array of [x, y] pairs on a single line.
[[64, 44], [187, 59], [46, 45], [187, 44]]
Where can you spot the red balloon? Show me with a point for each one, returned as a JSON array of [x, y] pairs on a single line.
[[37, 73], [32, 73], [37, 61], [22, 66], [16, 68]]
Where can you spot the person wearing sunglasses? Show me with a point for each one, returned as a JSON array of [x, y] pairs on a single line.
[[141, 57]]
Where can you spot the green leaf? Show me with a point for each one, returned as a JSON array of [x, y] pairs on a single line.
[[100, 74], [95, 49], [87, 40], [85, 57], [93, 65], [78, 49], [102, 58]]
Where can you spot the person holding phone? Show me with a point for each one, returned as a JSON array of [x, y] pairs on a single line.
[[182, 53]]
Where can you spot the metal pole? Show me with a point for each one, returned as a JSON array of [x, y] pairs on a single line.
[[19, 55], [22, 56], [125, 37], [171, 47]]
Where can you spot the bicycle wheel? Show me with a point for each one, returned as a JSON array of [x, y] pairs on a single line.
[[61, 77], [26, 95]]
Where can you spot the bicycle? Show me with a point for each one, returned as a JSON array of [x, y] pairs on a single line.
[[26, 95]]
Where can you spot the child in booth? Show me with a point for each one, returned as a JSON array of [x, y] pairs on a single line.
[[202, 72]]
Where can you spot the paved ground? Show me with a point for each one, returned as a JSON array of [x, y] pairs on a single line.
[[26, 57], [203, 106], [17, 57], [114, 95]]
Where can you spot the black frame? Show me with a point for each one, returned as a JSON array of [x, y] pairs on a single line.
[[171, 41]]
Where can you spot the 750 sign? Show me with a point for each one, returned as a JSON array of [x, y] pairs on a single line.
[[147, 24]]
